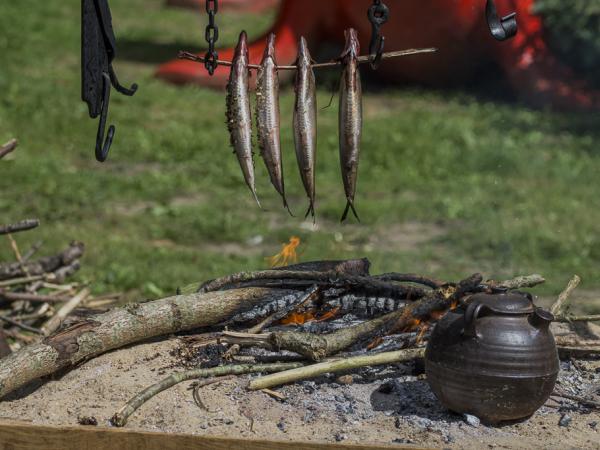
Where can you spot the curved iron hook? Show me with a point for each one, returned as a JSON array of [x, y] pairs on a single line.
[[378, 14], [120, 88], [103, 146], [501, 28]]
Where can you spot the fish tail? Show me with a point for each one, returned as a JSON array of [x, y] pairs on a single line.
[[311, 211], [286, 206], [349, 206], [255, 197]]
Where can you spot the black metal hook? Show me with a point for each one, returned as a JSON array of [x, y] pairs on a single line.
[[501, 28], [378, 14], [103, 146]]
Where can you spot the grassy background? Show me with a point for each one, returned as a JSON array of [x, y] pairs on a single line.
[[449, 183]]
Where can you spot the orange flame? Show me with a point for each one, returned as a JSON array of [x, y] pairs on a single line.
[[287, 254], [298, 318]]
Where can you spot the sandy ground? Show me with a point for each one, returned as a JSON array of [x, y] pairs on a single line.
[[381, 406]]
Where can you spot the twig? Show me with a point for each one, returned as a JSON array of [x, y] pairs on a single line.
[[54, 322], [23, 225], [120, 418], [197, 385], [568, 318], [36, 298], [20, 336], [525, 281], [44, 265], [564, 295], [576, 398], [21, 325], [410, 278], [361, 59], [24, 280], [8, 147], [335, 365], [274, 394], [32, 251]]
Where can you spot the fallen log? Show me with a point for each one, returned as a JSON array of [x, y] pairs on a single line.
[[23, 225], [120, 327]]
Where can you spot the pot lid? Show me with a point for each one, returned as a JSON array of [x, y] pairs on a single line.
[[513, 302]]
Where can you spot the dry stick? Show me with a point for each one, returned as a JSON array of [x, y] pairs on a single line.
[[32, 251], [336, 365], [361, 59], [196, 386], [368, 284], [54, 322], [520, 282], [591, 318], [35, 298], [8, 147], [44, 265], [120, 418], [24, 280], [123, 326], [23, 225], [564, 295], [578, 399], [21, 325], [411, 278]]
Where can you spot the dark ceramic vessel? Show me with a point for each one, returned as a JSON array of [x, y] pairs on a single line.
[[495, 359]]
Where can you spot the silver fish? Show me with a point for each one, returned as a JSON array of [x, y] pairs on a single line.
[[305, 122], [350, 119], [267, 117], [239, 118]]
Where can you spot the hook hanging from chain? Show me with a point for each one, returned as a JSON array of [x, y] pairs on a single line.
[[98, 50], [378, 14], [501, 28], [212, 36]]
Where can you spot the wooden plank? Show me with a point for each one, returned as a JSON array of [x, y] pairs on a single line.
[[16, 435]]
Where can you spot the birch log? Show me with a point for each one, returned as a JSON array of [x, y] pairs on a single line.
[[120, 327]]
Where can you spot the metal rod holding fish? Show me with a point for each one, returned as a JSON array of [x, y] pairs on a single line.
[[350, 119], [305, 122], [364, 59], [267, 117], [239, 117]]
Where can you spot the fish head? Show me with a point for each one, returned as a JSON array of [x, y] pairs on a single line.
[[303, 53], [352, 47], [241, 49], [270, 47]]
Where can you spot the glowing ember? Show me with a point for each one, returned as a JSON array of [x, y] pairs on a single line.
[[287, 255]]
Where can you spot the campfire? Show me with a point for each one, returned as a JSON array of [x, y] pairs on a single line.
[[285, 325]]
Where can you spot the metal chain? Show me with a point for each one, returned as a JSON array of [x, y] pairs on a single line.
[[211, 35]]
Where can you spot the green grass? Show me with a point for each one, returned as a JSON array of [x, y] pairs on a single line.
[[449, 183]]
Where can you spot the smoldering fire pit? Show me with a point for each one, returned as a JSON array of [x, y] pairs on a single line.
[[344, 349]]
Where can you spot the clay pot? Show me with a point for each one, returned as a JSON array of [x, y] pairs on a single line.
[[495, 359]]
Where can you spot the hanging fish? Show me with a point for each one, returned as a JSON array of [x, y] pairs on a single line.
[[267, 117], [305, 122], [350, 118], [239, 118]]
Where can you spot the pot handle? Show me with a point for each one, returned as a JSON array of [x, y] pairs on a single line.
[[470, 318]]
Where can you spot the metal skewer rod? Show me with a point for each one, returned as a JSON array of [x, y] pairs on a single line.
[[361, 59]]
